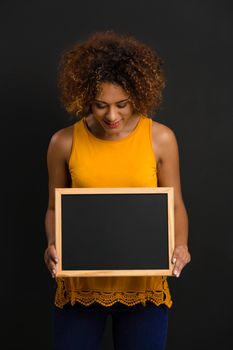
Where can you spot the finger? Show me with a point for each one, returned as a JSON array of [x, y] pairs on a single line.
[[52, 266], [53, 272], [52, 253], [176, 255], [55, 259], [173, 260], [180, 264], [54, 256], [51, 261], [176, 272], [178, 268]]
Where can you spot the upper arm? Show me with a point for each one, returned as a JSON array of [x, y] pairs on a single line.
[[167, 153], [57, 162]]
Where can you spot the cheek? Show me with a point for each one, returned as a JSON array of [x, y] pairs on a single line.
[[97, 111], [130, 108], [128, 111]]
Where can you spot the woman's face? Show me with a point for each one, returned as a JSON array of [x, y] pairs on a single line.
[[112, 108]]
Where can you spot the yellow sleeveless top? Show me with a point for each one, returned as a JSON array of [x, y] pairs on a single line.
[[128, 162]]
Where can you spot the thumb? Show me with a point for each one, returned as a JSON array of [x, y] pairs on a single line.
[[173, 259]]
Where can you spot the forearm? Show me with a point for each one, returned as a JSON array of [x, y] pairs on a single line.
[[181, 225], [50, 226], [50, 255]]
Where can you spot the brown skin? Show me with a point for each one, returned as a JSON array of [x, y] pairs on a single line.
[[166, 154]]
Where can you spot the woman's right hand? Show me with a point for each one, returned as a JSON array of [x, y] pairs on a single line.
[[51, 259]]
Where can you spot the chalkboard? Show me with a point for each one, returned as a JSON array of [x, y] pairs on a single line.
[[114, 231]]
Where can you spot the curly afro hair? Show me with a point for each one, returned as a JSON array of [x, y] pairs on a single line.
[[110, 57]]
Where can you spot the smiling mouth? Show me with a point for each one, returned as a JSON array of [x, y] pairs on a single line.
[[112, 125]]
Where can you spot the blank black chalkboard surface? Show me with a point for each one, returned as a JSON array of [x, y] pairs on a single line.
[[114, 231]]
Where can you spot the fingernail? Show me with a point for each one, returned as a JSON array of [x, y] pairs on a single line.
[[175, 272], [174, 260]]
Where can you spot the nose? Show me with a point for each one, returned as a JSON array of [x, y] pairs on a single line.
[[112, 115]]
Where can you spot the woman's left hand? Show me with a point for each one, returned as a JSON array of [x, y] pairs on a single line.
[[180, 258]]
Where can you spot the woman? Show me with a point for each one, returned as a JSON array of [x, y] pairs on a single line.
[[113, 83]]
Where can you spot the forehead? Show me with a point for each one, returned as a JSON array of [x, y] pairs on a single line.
[[111, 92]]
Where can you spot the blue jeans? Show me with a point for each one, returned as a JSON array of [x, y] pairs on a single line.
[[135, 327]]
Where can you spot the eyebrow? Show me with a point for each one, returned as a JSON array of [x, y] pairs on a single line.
[[115, 102]]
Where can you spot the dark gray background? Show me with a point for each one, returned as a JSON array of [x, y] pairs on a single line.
[[195, 40]]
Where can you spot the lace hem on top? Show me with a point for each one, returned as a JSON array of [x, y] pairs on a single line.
[[87, 297]]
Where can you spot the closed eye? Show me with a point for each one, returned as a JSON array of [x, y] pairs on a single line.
[[100, 105], [122, 105], [104, 106]]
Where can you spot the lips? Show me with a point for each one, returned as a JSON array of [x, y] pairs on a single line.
[[112, 125]]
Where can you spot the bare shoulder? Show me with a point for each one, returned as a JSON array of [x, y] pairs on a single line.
[[61, 142], [163, 140], [162, 133], [62, 136]]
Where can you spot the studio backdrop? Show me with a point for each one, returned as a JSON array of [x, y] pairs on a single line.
[[194, 39]]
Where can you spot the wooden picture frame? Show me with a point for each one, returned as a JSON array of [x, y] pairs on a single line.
[[123, 231]]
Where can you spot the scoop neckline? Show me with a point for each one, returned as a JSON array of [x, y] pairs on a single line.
[[112, 141]]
